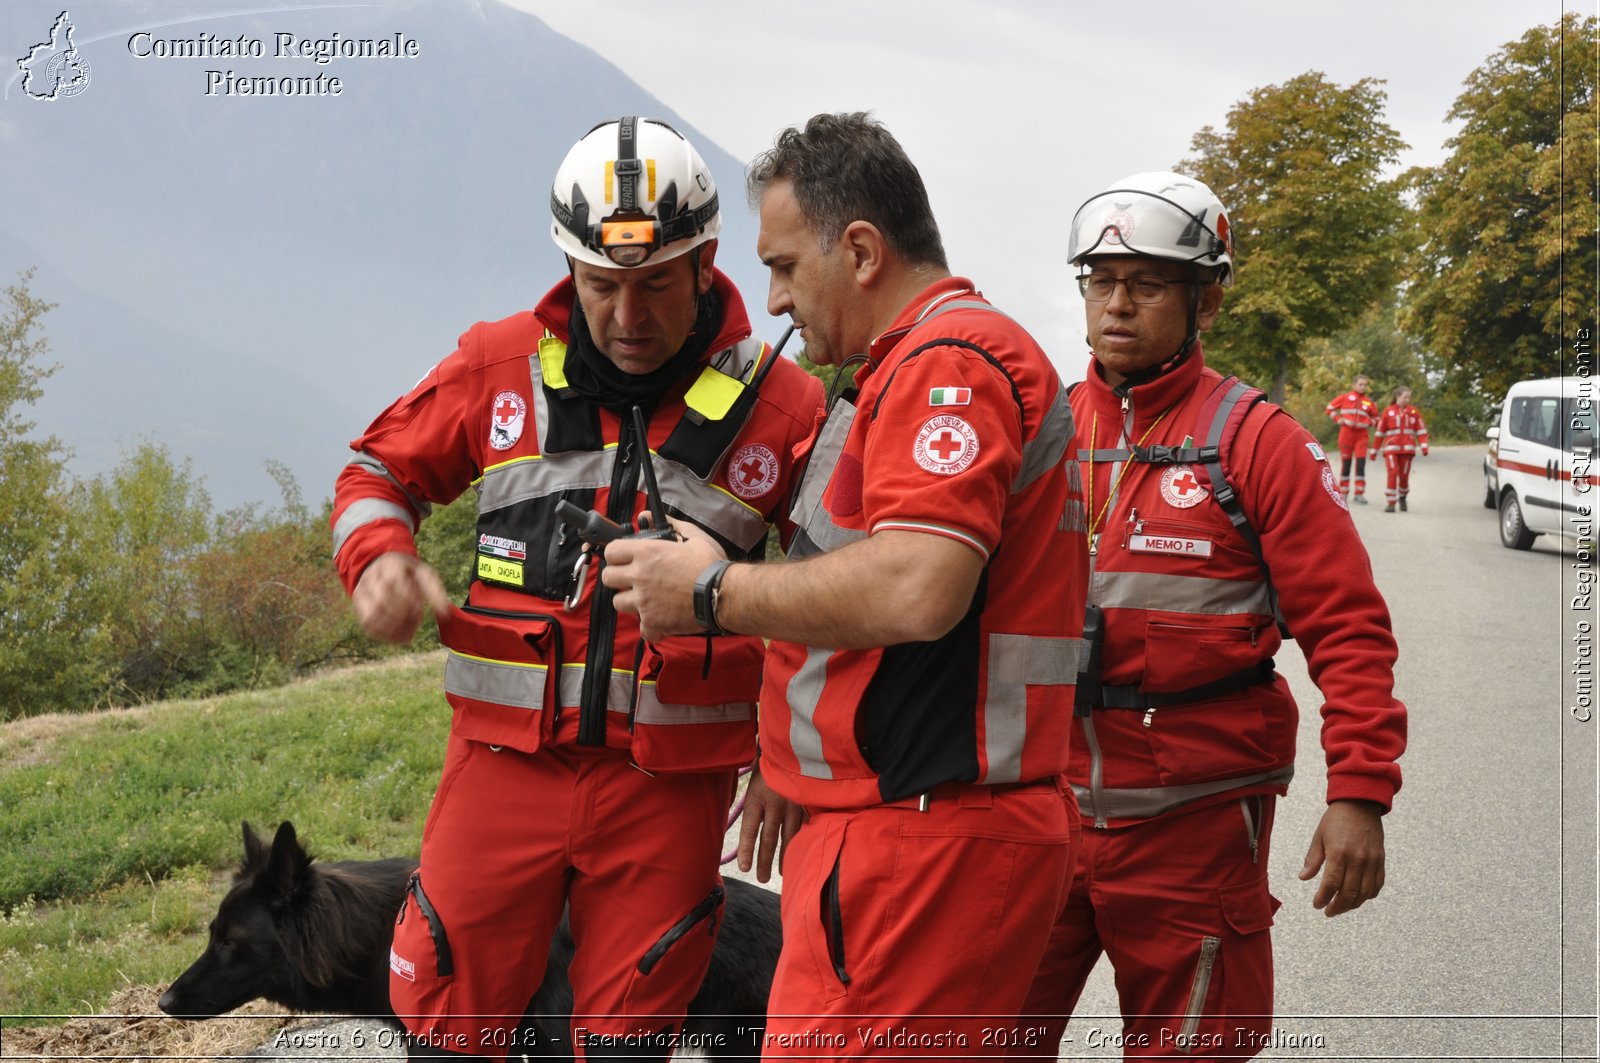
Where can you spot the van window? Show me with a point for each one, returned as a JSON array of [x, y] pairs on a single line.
[[1537, 419]]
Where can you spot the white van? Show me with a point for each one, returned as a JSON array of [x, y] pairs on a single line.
[[1540, 454]]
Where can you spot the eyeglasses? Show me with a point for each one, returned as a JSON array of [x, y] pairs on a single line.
[[1144, 290]]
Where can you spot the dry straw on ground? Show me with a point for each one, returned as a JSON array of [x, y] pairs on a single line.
[[132, 1027]]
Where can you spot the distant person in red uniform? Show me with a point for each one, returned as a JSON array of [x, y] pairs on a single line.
[[1401, 434], [1355, 415], [1185, 735], [925, 633], [587, 768]]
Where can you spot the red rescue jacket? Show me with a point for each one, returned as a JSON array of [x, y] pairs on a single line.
[[1402, 431], [497, 415], [960, 429], [1187, 709]]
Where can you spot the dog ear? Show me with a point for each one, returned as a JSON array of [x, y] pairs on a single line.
[[255, 850], [288, 865]]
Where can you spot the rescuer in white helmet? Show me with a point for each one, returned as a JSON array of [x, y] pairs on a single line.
[[587, 768], [1213, 517]]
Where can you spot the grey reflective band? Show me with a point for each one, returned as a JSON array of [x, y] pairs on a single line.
[[363, 512], [1150, 801], [804, 695], [499, 682], [818, 534], [1015, 663], [652, 710], [523, 686], [1179, 594], [1048, 448], [366, 510]]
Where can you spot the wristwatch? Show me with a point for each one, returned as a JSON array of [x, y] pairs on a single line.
[[707, 592]]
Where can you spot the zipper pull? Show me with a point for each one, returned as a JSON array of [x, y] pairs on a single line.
[[1094, 544], [1149, 715]]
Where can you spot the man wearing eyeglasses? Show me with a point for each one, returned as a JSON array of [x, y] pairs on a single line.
[[586, 766], [1212, 515]]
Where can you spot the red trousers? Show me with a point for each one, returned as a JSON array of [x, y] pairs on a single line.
[[1353, 443], [1180, 906], [912, 933], [513, 836], [1399, 466]]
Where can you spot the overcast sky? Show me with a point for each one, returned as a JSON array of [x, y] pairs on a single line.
[[1017, 110]]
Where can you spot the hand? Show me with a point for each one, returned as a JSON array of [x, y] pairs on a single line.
[[1424, 451], [1349, 841], [772, 818], [391, 593], [654, 578]]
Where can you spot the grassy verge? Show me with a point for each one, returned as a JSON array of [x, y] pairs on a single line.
[[117, 829]]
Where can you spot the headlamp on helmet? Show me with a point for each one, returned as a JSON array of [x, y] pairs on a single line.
[[633, 190]]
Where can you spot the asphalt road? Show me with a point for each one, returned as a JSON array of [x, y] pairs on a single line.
[[1482, 945]]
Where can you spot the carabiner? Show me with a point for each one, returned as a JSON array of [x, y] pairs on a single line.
[[580, 574]]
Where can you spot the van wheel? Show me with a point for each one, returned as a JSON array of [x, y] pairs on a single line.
[[1513, 532]]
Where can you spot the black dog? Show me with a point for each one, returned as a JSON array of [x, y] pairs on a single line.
[[315, 937]]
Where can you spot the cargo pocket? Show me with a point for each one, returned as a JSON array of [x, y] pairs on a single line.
[[694, 707], [421, 965], [1182, 656], [499, 677]]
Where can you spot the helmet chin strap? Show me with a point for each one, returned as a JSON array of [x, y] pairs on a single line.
[[1149, 373]]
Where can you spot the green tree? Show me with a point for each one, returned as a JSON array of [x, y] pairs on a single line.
[[1319, 233], [1505, 274], [150, 519], [48, 644]]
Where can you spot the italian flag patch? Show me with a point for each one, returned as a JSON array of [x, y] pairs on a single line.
[[950, 397]]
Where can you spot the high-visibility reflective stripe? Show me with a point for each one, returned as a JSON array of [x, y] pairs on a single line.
[[818, 533], [804, 694], [651, 709], [499, 682], [1016, 662], [363, 512], [528, 478], [824, 459], [1148, 801], [522, 685], [1049, 447], [1179, 594]]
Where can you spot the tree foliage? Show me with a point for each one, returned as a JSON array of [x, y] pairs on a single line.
[[1506, 271], [126, 587], [46, 638], [1319, 233]]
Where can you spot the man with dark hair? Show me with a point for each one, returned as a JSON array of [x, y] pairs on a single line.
[[919, 679], [587, 768], [1208, 509]]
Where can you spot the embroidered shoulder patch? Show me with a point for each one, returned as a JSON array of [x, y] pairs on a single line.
[[1180, 486], [950, 397], [507, 414], [1316, 451], [945, 445], [752, 471]]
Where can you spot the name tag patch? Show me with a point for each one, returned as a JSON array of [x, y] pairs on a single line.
[[1169, 544]]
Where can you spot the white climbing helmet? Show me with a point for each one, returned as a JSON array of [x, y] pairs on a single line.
[[1162, 215], [632, 191]]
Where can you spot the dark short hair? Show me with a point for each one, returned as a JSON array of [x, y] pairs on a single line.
[[846, 168]]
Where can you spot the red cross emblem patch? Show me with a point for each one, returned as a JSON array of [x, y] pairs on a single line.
[[507, 414], [946, 445], [1182, 487], [752, 471]]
